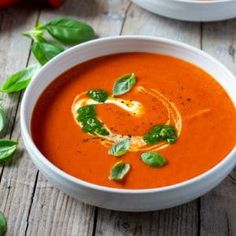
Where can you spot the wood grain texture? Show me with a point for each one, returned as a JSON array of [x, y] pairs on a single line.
[[219, 40], [218, 208], [183, 220], [16, 179], [141, 22], [55, 213], [178, 221]]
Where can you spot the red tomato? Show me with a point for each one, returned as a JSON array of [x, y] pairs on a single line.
[[5, 3], [55, 3]]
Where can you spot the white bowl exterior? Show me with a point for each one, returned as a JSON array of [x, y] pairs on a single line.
[[213, 10], [125, 200]]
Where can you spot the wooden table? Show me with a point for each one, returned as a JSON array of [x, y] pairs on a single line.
[[32, 205]]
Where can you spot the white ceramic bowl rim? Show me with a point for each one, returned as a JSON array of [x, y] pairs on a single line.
[[29, 142]]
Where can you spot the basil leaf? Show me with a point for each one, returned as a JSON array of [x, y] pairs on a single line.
[[44, 51], [90, 124], [3, 224], [153, 159], [70, 31], [124, 84], [98, 95], [119, 171], [35, 34], [160, 133], [119, 148], [3, 120], [19, 80], [7, 149]]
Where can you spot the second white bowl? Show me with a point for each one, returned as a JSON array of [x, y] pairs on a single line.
[[191, 10]]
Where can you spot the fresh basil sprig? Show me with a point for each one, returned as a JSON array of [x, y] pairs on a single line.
[[35, 34], [124, 84], [19, 80], [119, 171], [98, 95], [7, 149], [153, 159], [3, 120], [3, 224], [65, 30], [120, 148], [160, 133], [44, 50], [69, 31]]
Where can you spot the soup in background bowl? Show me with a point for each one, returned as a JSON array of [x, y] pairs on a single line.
[[132, 123]]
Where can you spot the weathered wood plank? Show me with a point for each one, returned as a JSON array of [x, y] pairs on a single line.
[[16, 185], [218, 208], [176, 221], [181, 220], [218, 39], [14, 53], [141, 22], [52, 212]]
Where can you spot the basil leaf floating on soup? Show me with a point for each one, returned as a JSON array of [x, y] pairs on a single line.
[[3, 224], [98, 95], [160, 133], [124, 84], [69, 31], [19, 80], [119, 148], [119, 171], [90, 123], [153, 159], [7, 149]]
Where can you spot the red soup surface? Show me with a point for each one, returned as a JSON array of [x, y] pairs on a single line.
[[169, 90]]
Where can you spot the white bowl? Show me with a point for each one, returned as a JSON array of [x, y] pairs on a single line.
[[121, 199], [191, 10]]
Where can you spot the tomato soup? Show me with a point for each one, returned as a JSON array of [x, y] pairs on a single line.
[[134, 121]]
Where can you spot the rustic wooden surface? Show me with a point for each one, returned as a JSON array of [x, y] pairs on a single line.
[[32, 205]]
